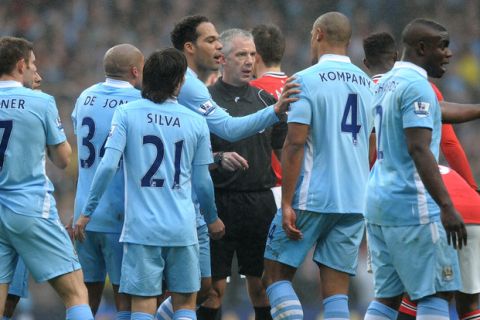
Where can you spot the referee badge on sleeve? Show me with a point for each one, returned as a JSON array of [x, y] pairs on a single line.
[[421, 109]]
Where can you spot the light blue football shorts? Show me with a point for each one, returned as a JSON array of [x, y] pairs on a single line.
[[43, 244], [336, 238], [414, 259], [204, 244], [100, 254], [19, 285], [144, 267]]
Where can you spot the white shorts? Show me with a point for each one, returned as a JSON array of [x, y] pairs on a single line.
[[469, 258]]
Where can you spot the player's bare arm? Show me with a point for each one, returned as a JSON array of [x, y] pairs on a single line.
[[418, 142], [459, 112], [292, 159], [60, 154]]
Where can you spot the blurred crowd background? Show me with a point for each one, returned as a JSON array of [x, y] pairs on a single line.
[[71, 37]]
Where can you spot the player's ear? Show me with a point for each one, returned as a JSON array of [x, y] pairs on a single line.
[[188, 47], [21, 66], [421, 48]]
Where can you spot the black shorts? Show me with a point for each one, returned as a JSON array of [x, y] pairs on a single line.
[[247, 217]]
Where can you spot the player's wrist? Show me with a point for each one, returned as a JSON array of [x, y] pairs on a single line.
[[218, 158]]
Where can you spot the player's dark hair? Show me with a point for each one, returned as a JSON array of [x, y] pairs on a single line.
[[186, 30], [377, 45], [164, 70], [13, 50], [270, 43]]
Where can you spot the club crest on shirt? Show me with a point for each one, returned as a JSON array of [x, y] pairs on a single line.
[[206, 108], [421, 109], [447, 273]]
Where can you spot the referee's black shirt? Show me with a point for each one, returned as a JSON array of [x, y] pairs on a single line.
[[256, 149]]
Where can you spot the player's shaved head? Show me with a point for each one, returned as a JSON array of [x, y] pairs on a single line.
[[119, 60], [336, 27], [421, 30]]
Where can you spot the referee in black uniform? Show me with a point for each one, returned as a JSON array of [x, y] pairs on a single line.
[[244, 198]]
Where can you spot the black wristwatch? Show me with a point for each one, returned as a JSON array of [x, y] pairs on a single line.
[[217, 158]]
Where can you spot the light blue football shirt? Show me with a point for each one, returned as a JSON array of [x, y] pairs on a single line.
[[160, 144], [92, 118], [396, 195], [29, 122], [335, 100]]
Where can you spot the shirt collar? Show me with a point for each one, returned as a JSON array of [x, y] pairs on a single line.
[[10, 84], [117, 83], [189, 70], [277, 74], [334, 57], [409, 65]]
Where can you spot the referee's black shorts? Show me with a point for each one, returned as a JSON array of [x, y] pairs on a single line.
[[247, 217]]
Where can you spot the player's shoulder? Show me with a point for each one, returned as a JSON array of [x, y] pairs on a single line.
[[37, 97]]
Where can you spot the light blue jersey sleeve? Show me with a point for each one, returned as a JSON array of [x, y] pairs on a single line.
[[416, 105], [301, 110], [104, 174], [109, 164], [194, 95], [203, 187], [201, 180], [117, 138], [53, 125]]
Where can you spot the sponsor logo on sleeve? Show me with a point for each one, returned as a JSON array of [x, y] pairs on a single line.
[[59, 124], [421, 109], [112, 129], [207, 108]]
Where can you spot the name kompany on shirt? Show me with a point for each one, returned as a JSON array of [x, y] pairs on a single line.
[[396, 195], [160, 144], [335, 100], [92, 119], [29, 122]]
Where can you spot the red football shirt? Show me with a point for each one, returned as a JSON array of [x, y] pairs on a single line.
[[273, 83]]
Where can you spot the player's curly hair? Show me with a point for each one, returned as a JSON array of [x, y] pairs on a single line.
[[186, 30], [163, 72]]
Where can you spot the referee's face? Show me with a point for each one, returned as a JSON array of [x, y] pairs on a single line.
[[207, 47], [239, 61]]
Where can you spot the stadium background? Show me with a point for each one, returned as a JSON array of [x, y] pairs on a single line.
[[71, 36]]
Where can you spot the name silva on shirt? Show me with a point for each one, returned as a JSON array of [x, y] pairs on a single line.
[[163, 120]]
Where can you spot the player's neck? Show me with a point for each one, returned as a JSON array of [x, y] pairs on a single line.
[[261, 69], [9, 77]]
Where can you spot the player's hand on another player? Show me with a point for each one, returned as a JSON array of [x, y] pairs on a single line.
[[454, 227], [289, 92], [289, 217], [216, 229], [79, 228], [232, 161]]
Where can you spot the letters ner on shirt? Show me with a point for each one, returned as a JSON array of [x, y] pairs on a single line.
[[12, 104]]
